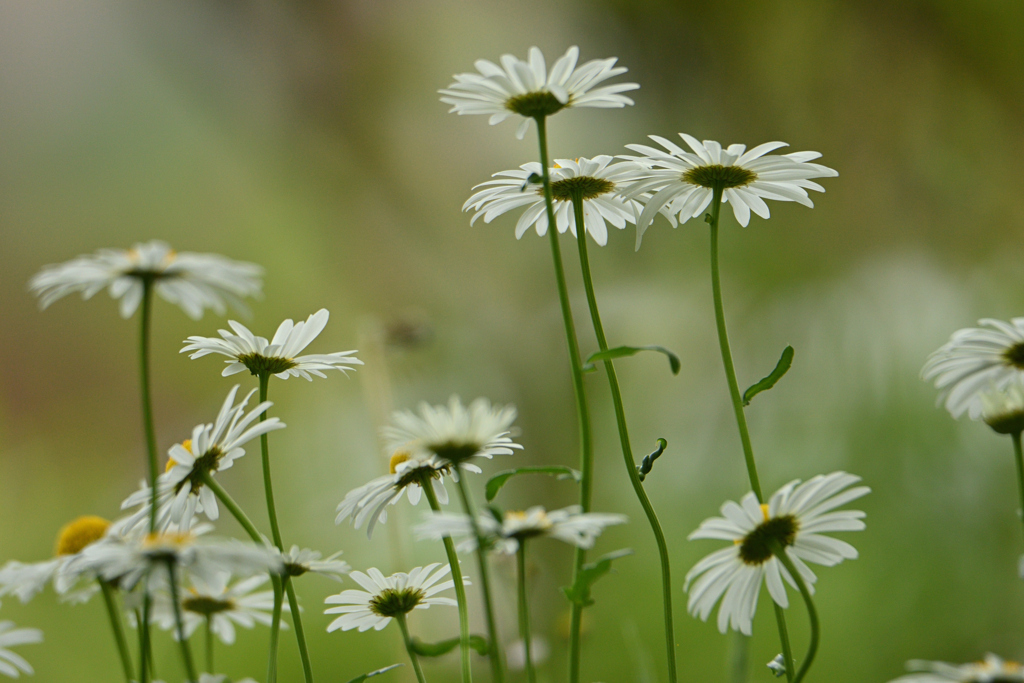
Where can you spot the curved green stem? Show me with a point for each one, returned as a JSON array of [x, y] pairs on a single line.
[[460, 589], [579, 393], [524, 611], [627, 451], [1018, 457], [209, 643], [494, 649], [812, 613], [186, 651], [400, 618], [117, 627]]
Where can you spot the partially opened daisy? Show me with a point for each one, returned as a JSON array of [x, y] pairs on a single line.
[[991, 670], [977, 360], [191, 281], [224, 604], [279, 356], [569, 525], [682, 182], [596, 182], [12, 664], [525, 90], [795, 518], [388, 597]]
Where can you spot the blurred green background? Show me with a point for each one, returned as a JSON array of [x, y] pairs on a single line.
[[309, 138]]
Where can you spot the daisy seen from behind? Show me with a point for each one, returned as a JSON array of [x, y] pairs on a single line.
[[683, 183], [298, 562], [795, 518], [194, 282], [11, 663], [526, 90], [279, 356], [388, 597], [990, 670]]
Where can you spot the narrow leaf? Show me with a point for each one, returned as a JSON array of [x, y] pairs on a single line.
[[781, 368], [495, 483], [360, 679], [445, 646], [579, 592], [623, 351]]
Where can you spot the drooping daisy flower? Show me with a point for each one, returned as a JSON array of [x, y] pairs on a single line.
[[525, 90], [1003, 410], [12, 664], [25, 580], [225, 605], [298, 562], [279, 356], [683, 182], [795, 517], [192, 281], [387, 597], [991, 670], [976, 360], [596, 182], [213, 448], [569, 525]]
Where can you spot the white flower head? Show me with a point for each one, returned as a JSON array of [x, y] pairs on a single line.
[[525, 90], [569, 525], [682, 183], [279, 356], [977, 360], [12, 664], [225, 604], [298, 562], [991, 670], [386, 597], [596, 182], [194, 282], [795, 518]]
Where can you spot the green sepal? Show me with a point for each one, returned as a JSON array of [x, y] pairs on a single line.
[[623, 351], [495, 483], [360, 679], [478, 643], [579, 592], [781, 368]]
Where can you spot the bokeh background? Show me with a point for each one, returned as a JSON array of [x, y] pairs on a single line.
[[309, 138]]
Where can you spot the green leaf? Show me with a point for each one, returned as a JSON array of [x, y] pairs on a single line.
[[579, 593], [781, 368], [360, 679], [477, 643], [623, 351], [495, 483]]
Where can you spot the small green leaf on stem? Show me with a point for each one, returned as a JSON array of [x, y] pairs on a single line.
[[360, 679], [495, 483], [781, 368], [478, 643], [648, 462], [579, 592], [623, 351]]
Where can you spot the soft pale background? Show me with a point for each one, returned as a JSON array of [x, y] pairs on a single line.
[[309, 138]]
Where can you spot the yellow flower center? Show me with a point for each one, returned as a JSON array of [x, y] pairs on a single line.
[[76, 535], [171, 462], [170, 540], [397, 459]]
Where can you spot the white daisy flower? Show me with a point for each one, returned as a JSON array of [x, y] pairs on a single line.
[[991, 670], [213, 448], [279, 356], [298, 562], [795, 517], [216, 678], [193, 282], [597, 182], [386, 597], [25, 580], [569, 525], [12, 664], [1003, 410], [225, 605], [525, 90], [977, 360], [681, 182]]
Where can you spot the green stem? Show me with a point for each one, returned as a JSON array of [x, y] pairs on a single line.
[[739, 657], [737, 401], [779, 552], [300, 636], [627, 451], [524, 611], [582, 411], [147, 401], [145, 645], [1018, 457], [494, 649], [186, 652], [115, 624], [460, 588], [400, 618], [275, 631], [229, 502], [209, 642]]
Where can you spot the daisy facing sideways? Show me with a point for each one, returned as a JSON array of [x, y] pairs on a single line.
[[388, 597], [794, 519]]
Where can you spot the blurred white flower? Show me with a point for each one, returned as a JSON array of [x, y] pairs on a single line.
[[387, 597], [12, 664], [298, 562], [991, 670], [224, 604]]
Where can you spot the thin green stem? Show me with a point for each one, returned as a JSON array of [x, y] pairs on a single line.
[[460, 589], [300, 636], [493, 648], [145, 644], [579, 393], [209, 642], [275, 631], [787, 649], [1018, 457], [186, 651], [147, 402], [224, 497], [524, 612], [400, 618], [739, 657], [116, 626], [812, 614], [627, 450]]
